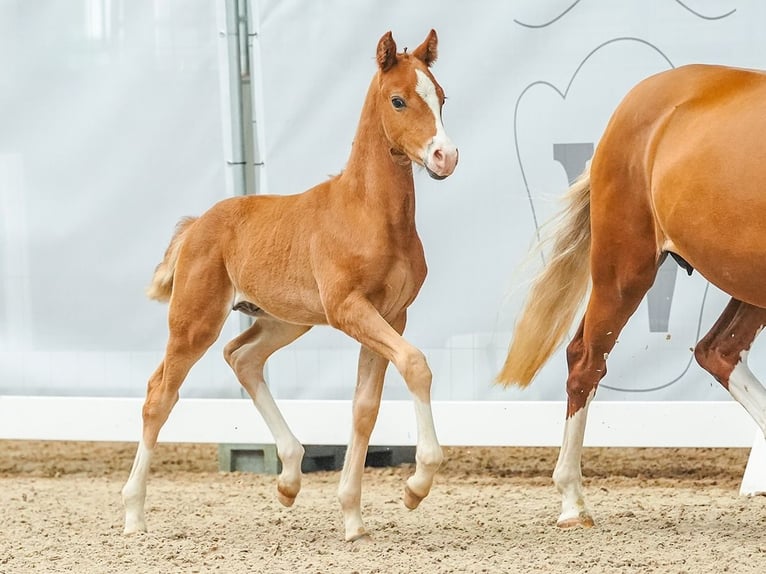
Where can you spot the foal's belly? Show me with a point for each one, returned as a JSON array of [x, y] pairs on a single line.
[[290, 303], [300, 301]]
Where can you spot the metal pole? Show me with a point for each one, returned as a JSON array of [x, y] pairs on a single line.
[[240, 106], [254, 60], [239, 96]]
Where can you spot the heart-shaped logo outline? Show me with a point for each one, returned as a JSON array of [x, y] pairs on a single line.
[[576, 2]]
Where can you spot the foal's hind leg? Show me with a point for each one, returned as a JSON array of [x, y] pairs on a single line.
[[614, 298], [194, 321], [247, 354], [723, 353]]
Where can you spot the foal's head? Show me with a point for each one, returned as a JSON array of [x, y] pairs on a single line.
[[411, 102]]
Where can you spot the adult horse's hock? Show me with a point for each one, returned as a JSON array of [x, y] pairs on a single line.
[[680, 170], [344, 253]]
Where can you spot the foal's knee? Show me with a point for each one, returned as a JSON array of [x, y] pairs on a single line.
[[417, 374], [416, 367]]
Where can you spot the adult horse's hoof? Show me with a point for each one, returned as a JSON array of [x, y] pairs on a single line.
[[584, 520], [411, 500]]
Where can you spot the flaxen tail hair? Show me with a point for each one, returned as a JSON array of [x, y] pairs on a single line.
[[162, 282], [557, 291]]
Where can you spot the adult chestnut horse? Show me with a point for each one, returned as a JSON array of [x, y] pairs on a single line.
[[344, 253], [680, 170]]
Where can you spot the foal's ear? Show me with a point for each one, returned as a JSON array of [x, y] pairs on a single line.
[[427, 52], [386, 55]]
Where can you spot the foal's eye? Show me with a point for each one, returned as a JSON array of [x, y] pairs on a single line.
[[398, 102]]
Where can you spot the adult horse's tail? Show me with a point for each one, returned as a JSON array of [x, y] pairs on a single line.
[[162, 281], [556, 292]]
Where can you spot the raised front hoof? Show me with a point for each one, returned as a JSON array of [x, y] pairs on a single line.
[[285, 499], [288, 487], [584, 520], [411, 499]]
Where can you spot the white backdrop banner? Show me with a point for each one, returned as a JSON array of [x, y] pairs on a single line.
[[111, 129]]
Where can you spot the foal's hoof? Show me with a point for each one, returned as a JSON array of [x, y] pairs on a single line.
[[285, 499], [134, 527], [584, 520], [360, 540], [411, 500]]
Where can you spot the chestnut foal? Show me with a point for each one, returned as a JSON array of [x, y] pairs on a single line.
[[679, 170], [344, 253]]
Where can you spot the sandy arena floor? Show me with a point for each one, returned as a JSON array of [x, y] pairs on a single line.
[[491, 510]]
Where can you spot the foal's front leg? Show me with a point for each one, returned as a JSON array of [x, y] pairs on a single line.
[[369, 387], [357, 317]]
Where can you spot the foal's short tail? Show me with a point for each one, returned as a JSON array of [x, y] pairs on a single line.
[[556, 292], [162, 282]]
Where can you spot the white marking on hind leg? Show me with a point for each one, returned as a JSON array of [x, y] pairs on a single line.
[[567, 475], [289, 449], [748, 391], [134, 491]]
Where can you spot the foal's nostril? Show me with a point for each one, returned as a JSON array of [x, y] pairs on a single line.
[[442, 160]]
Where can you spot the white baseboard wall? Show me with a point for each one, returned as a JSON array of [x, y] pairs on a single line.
[[458, 423]]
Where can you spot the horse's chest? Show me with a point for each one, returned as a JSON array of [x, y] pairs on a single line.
[[399, 286]]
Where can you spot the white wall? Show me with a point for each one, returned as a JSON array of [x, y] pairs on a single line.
[[110, 131]]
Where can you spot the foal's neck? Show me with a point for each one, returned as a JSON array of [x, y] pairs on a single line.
[[380, 179]]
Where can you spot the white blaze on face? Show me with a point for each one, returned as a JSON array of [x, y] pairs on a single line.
[[425, 89]]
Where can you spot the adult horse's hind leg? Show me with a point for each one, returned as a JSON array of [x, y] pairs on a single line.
[[619, 283], [247, 354], [723, 353], [195, 320]]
